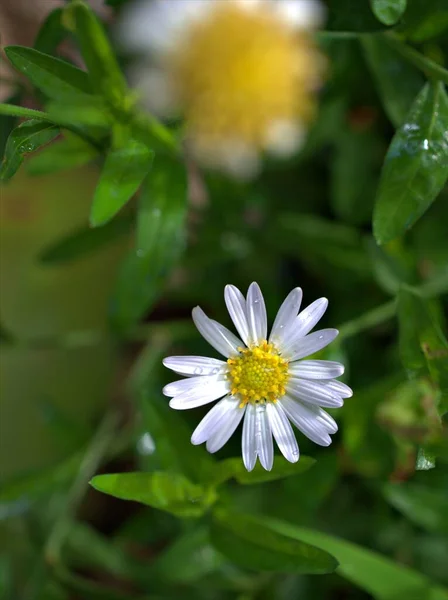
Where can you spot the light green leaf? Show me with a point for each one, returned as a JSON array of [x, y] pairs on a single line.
[[388, 11], [56, 78], [26, 138], [67, 153], [234, 468], [250, 542], [86, 241], [387, 68], [76, 111], [416, 165], [123, 172], [188, 559], [171, 492], [104, 72], [51, 33], [423, 505], [160, 242], [377, 575]]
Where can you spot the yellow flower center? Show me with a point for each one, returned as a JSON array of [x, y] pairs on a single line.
[[258, 374], [240, 71]]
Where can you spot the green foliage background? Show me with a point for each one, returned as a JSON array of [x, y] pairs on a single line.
[[359, 216]]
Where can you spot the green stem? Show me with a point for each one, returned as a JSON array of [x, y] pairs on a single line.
[[428, 66], [11, 110]]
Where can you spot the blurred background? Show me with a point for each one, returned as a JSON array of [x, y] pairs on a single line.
[[79, 395]]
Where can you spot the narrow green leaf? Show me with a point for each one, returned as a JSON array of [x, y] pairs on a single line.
[[377, 575], [388, 11], [25, 138], [416, 165], [56, 78], [387, 68], [76, 111], [8, 120], [171, 492], [424, 20], [160, 242], [123, 172], [104, 71], [250, 542], [423, 505], [67, 153], [86, 241], [51, 33], [432, 70], [234, 468]]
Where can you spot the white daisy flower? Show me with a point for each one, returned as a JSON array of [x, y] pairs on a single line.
[[243, 73], [265, 380]]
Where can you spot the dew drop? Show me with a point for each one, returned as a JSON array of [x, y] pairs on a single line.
[[216, 370], [321, 337], [256, 301], [197, 371], [281, 326]]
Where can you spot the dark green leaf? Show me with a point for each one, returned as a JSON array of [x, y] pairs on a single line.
[[171, 492], [388, 11], [352, 15], [160, 241], [424, 506], [416, 165], [56, 78], [8, 120], [379, 576], [67, 153], [188, 559], [25, 138], [424, 19], [98, 55], [234, 468], [123, 172], [387, 68], [86, 241], [249, 542], [51, 33]]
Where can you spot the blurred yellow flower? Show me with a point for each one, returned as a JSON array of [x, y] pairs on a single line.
[[243, 73]]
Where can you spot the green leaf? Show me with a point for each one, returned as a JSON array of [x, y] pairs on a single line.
[[391, 265], [25, 138], [160, 242], [67, 153], [76, 111], [86, 241], [56, 78], [234, 468], [51, 33], [171, 492], [102, 66], [424, 19], [123, 172], [188, 559], [388, 11], [424, 506], [377, 575], [387, 68], [416, 165], [249, 542], [352, 15]]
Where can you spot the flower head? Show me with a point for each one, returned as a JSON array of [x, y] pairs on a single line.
[[263, 380], [242, 72]]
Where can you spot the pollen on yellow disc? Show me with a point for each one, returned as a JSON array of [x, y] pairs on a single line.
[[258, 374], [240, 70]]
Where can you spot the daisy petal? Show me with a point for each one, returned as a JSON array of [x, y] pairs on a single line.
[[313, 393], [236, 305], [327, 420], [316, 369], [256, 314], [191, 383], [305, 322], [194, 365], [263, 437], [305, 419], [218, 336], [214, 419], [310, 344], [226, 429], [198, 396], [282, 431], [249, 445], [301, 14], [339, 388], [286, 316]]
